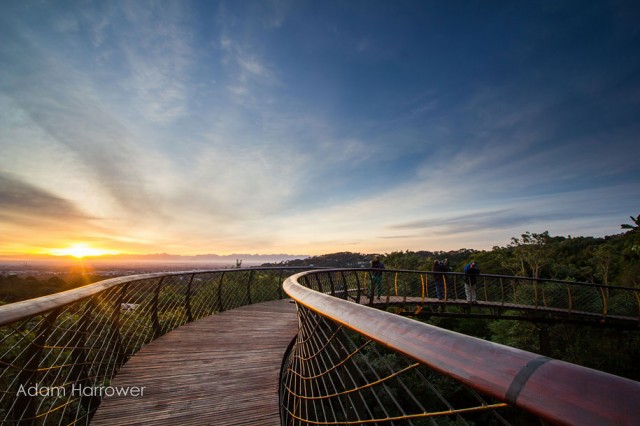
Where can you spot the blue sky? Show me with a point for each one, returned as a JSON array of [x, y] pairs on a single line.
[[309, 127]]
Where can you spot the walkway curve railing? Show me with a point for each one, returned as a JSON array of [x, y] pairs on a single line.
[[414, 292], [58, 353], [352, 364]]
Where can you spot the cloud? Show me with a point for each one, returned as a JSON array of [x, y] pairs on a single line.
[[101, 130], [247, 74], [157, 49], [242, 126], [485, 220], [23, 203]]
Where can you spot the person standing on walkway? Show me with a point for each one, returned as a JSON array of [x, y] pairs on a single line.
[[438, 278], [471, 272], [376, 276]]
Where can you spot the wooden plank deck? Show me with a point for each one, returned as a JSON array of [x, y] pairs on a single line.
[[220, 370]]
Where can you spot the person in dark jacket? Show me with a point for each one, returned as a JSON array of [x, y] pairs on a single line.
[[438, 278], [376, 275], [471, 272]]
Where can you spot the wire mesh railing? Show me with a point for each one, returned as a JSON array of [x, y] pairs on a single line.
[[415, 291], [351, 364], [59, 353]]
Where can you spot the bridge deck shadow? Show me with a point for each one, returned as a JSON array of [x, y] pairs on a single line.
[[220, 370]]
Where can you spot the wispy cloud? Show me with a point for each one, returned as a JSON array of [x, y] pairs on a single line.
[[23, 203]]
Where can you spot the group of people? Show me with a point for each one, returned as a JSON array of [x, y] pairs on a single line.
[[440, 269]]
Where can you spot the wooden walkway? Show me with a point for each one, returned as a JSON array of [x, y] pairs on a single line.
[[220, 370]]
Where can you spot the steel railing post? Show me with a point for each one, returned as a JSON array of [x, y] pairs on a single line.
[[187, 302], [24, 410], [155, 319]]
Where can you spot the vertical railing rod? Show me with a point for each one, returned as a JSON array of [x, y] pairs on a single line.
[[24, 407], [332, 286], [155, 319], [280, 281], [319, 283], [604, 303], [484, 289], [371, 293], [115, 326], [79, 371], [249, 282], [358, 287], [220, 305], [344, 286], [187, 302]]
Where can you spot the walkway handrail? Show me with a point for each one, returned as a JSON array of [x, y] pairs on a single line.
[[547, 298], [17, 311], [556, 391], [58, 353]]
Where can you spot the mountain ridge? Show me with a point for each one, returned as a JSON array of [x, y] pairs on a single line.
[[164, 257]]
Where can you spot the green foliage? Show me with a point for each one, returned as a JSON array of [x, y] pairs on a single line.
[[411, 260], [633, 227], [407, 260], [517, 334], [632, 245], [334, 260], [14, 288]]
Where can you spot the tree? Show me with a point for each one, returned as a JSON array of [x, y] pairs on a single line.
[[406, 260], [632, 251], [530, 252], [635, 226]]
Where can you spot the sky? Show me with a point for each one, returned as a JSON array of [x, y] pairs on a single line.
[[313, 127]]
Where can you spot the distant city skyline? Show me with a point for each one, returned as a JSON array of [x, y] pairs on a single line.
[[194, 127]]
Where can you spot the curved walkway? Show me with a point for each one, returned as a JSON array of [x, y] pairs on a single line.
[[220, 370]]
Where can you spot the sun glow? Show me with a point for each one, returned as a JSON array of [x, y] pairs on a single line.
[[80, 250]]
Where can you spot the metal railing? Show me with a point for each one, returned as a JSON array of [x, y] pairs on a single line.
[[414, 292], [352, 364], [58, 353]]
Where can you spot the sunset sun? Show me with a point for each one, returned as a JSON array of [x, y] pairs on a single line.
[[80, 250]]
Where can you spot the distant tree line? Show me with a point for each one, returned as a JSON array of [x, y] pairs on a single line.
[[611, 260], [14, 288]]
